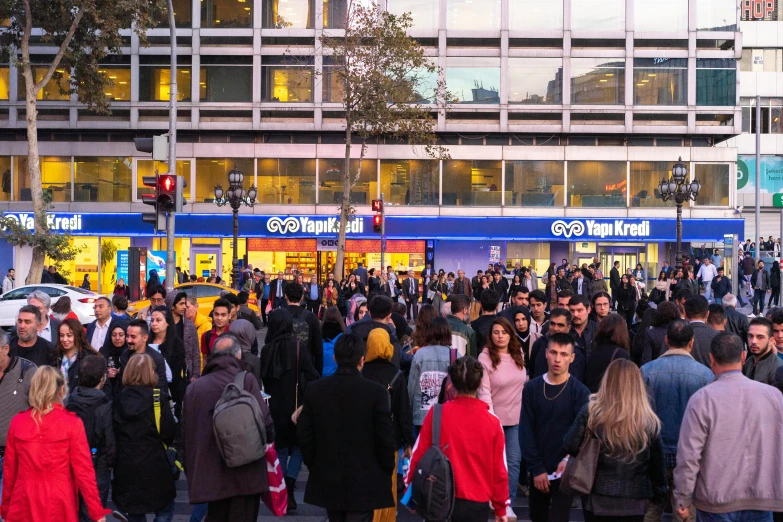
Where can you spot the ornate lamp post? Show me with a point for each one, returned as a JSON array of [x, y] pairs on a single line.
[[678, 187], [235, 196]]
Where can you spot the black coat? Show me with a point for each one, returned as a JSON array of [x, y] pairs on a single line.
[[737, 323], [143, 482], [598, 361], [346, 437], [614, 278], [173, 351], [100, 405], [654, 343], [626, 298], [160, 368], [383, 372]]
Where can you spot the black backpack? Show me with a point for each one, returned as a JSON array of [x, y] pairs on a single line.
[[433, 480], [87, 415]]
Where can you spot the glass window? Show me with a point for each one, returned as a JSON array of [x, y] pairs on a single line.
[[145, 167], [422, 87], [716, 15], [716, 81], [597, 183], [224, 14], [285, 14], [118, 85], [332, 81], [183, 14], [5, 78], [214, 171], [56, 90], [645, 177], [425, 13], [155, 83], [410, 182], [598, 81], [286, 79], [660, 81], [535, 80], [473, 15], [598, 15], [286, 181], [335, 14], [5, 170], [714, 179], [102, 179], [226, 83], [473, 80], [330, 190], [660, 16], [471, 183], [55, 177], [534, 15], [534, 183]]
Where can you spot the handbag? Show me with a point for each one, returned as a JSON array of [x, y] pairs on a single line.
[[276, 499], [298, 410], [579, 474]]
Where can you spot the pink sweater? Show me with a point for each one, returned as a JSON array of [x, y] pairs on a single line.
[[501, 388]]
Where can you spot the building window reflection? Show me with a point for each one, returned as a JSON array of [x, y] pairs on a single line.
[[472, 183], [473, 80], [102, 179], [332, 81], [410, 182], [151, 167], [598, 15], [286, 79], [661, 16], [57, 89], [223, 14], [424, 13], [5, 82], [5, 178], [598, 81], [534, 184], [286, 181], [714, 179], [645, 177], [214, 171], [473, 15], [183, 14], [118, 84], [716, 15], [660, 81], [330, 180], [155, 83], [716, 81], [535, 81], [55, 177], [288, 14], [597, 184], [226, 79], [535, 15]]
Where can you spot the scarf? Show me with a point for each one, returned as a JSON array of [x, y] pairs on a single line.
[[275, 360], [379, 346]]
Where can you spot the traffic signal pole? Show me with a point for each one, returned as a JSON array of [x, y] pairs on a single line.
[[170, 262], [383, 237]]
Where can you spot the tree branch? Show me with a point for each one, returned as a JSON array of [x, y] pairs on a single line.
[[63, 46]]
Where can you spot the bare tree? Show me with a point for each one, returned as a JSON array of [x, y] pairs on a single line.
[[383, 75], [81, 33]]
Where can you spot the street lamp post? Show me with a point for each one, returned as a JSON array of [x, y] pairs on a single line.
[[235, 196], [678, 187]]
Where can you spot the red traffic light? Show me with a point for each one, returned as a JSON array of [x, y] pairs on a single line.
[[377, 205], [167, 183], [167, 191], [377, 223]]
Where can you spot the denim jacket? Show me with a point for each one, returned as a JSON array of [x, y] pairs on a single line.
[[671, 380]]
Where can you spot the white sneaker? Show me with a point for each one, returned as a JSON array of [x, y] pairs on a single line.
[[510, 515]]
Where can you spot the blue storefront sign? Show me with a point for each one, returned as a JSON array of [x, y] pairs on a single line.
[[404, 227]]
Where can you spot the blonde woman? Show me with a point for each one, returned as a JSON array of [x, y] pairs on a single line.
[[47, 460], [630, 467]]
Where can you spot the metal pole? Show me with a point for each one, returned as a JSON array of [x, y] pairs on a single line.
[[758, 176], [678, 254], [235, 257], [170, 261], [383, 236]]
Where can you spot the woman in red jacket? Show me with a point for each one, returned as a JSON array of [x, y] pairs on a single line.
[[47, 461], [476, 449]]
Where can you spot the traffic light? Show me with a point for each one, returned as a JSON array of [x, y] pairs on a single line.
[[377, 205], [377, 223], [157, 145], [158, 217], [167, 192]]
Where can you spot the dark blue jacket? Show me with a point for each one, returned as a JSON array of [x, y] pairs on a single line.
[[671, 380], [721, 288]]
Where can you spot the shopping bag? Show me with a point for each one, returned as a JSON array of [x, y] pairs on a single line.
[[276, 499]]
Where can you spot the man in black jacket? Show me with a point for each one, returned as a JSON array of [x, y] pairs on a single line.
[[410, 292], [25, 341], [137, 335], [346, 436], [277, 291], [614, 283], [737, 322], [696, 310], [379, 315], [307, 328]]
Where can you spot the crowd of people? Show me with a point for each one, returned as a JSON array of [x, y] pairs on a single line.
[[358, 379]]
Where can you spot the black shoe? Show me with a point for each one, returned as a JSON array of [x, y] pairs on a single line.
[[290, 485]]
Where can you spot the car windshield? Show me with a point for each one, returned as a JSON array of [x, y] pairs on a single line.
[[78, 290]]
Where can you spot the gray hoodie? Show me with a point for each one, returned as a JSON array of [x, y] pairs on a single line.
[[429, 367]]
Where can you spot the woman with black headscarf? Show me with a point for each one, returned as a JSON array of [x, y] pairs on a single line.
[[245, 333], [286, 368], [112, 349], [525, 336], [152, 283]]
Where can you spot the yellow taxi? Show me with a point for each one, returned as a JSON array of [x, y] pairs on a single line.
[[205, 293]]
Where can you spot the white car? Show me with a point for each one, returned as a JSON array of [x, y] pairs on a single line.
[[82, 301]]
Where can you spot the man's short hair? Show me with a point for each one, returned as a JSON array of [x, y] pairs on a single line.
[[193, 300], [561, 339], [579, 300], [120, 302], [231, 298], [520, 290], [227, 344], [682, 293], [349, 350], [717, 316], [242, 297], [729, 300], [43, 297], [561, 312], [489, 300], [293, 292], [459, 303], [158, 289], [103, 298], [679, 334], [562, 294], [30, 309], [224, 303], [142, 324], [696, 306], [762, 321], [776, 317], [3, 338], [726, 348], [380, 306], [92, 368], [538, 295]]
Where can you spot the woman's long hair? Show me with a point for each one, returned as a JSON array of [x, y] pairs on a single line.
[[166, 348], [423, 321], [612, 330], [44, 386], [620, 413], [514, 348], [79, 339]]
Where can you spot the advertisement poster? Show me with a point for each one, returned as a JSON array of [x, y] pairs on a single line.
[[494, 254], [771, 174], [156, 260]]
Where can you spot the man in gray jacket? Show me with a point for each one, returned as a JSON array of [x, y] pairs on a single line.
[[16, 374], [763, 362], [733, 414], [760, 283]]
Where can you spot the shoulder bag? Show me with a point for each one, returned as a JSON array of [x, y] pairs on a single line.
[[579, 474]]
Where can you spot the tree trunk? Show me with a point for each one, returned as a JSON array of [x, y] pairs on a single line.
[[345, 208], [34, 172]]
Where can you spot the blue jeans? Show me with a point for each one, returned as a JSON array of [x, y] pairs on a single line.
[[758, 301], [198, 512], [290, 464], [163, 515], [734, 516], [513, 458], [708, 291]]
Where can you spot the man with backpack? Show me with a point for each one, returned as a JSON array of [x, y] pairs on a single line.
[[91, 404], [307, 328], [229, 474], [346, 437]]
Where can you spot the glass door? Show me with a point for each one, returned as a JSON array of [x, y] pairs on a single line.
[[203, 260]]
